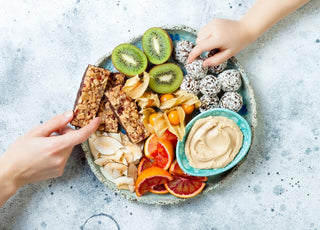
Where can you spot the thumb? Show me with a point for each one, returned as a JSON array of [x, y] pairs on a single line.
[[54, 124], [218, 58], [75, 137]]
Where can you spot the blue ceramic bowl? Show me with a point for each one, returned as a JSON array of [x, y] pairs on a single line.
[[247, 136]]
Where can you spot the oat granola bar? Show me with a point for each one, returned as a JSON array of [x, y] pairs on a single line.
[[127, 113], [109, 122], [88, 99]]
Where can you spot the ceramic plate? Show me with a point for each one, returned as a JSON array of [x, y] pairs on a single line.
[[248, 111]]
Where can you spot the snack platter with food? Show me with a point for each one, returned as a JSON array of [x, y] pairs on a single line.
[[146, 94]]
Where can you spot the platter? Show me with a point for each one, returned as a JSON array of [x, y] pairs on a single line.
[[248, 112]]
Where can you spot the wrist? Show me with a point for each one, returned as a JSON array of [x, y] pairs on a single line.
[[8, 182], [248, 30]]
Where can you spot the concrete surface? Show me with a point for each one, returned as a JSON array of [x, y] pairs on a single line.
[[45, 47]]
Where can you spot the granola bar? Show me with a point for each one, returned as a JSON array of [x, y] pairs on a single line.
[[127, 113], [88, 99], [109, 122]]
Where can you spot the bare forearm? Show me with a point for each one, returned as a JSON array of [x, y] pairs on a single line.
[[7, 184], [265, 13]]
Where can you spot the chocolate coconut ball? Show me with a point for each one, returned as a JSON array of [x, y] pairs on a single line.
[[196, 69], [232, 101], [218, 68], [190, 85], [182, 50], [208, 102], [210, 85], [230, 80]]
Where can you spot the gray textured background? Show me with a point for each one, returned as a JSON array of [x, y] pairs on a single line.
[[46, 46]]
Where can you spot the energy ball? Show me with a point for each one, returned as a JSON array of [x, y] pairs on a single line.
[[218, 68], [196, 70], [208, 102], [230, 80], [210, 85], [232, 101], [190, 85], [182, 50]]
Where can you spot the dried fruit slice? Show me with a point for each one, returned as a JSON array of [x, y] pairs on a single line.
[[151, 177], [144, 164], [184, 188], [159, 189]]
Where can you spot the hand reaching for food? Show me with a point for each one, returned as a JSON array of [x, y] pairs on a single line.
[[228, 37], [40, 154]]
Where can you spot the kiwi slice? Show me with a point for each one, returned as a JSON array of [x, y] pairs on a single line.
[[129, 59], [157, 45], [165, 78]]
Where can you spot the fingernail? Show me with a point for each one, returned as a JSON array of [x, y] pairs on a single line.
[[68, 114], [205, 64]]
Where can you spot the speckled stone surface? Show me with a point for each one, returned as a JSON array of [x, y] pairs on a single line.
[[45, 47]]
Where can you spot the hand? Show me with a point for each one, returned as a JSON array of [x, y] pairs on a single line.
[[42, 154], [228, 36]]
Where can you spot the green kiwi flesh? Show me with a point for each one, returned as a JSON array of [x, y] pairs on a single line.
[[157, 45], [165, 78], [129, 59]]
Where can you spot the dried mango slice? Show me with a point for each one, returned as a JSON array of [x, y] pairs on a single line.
[[148, 99], [178, 130], [181, 97], [135, 87]]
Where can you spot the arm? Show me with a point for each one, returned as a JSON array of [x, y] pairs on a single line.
[[40, 154], [232, 36]]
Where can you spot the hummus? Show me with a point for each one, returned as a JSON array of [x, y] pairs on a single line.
[[213, 142]]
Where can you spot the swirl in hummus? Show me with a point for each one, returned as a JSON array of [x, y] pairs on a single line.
[[213, 142]]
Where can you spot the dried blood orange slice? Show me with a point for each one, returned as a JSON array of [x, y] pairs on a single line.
[[144, 164], [151, 177], [183, 187], [159, 189]]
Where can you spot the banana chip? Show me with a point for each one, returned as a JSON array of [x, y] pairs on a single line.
[[181, 97], [148, 99], [178, 130], [135, 87], [117, 157]]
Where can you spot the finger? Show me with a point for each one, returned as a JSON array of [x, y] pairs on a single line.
[[218, 58], [197, 50], [53, 125], [65, 130], [78, 136]]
